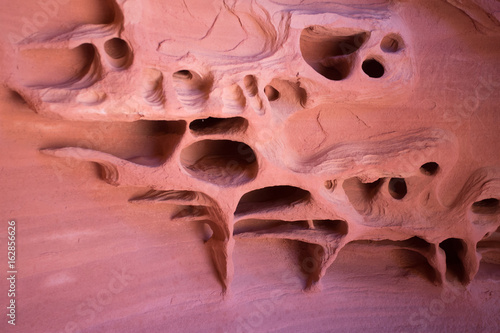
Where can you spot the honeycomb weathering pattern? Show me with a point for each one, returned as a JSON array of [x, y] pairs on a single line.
[[277, 108]]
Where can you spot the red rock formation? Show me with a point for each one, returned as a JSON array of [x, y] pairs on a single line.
[[253, 145]]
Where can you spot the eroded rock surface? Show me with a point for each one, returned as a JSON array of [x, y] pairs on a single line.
[[324, 123]]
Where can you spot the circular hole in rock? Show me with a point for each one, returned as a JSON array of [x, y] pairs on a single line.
[[373, 68], [220, 162], [183, 74], [391, 43], [271, 93], [486, 206], [429, 168], [397, 188], [116, 48]]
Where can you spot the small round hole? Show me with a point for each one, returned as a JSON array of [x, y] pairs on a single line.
[[183, 74], [271, 93], [116, 48], [373, 68], [391, 43], [397, 188], [429, 168]]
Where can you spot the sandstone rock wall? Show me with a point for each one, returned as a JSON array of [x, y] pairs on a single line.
[[367, 124]]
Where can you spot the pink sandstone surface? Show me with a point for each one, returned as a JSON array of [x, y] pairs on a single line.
[[276, 166]]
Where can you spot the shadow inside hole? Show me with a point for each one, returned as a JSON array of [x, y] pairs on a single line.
[[356, 189], [415, 263], [75, 68], [397, 188], [490, 239], [251, 86], [335, 226], [183, 74], [414, 243], [213, 125], [361, 195], [289, 93], [189, 211], [143, 142], [272, 93], [489, 247], [491, 257], [486, 206], [335, 68], [330, 53], [408, 253], [270, 198], [392, 43], [163, 136], [116, 48], [16, 97], [310, 260], [258, 225], [373, 68], [429, 169], [192, 89], [119, 53], [205, 231], [454, 249], [220, 162]]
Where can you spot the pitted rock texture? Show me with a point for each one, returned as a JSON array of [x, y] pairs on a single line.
[[302, 121]]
